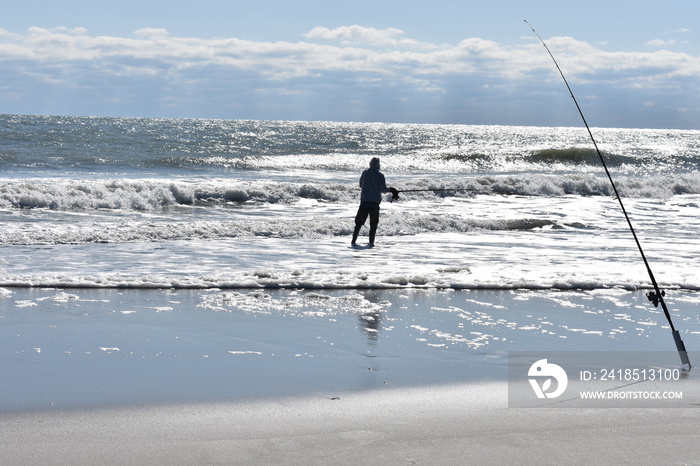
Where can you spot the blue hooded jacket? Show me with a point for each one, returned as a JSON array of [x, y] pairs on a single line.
[[373, 183]]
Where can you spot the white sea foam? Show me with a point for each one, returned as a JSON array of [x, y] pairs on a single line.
[[150, 194]]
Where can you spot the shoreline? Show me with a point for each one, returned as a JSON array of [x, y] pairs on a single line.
[[340, 287]]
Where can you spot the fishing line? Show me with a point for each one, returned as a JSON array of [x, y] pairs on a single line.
[[437, 190], [395, 197], [656, 296], [447, 190]]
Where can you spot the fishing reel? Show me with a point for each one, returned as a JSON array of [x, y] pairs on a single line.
[[394, 194], [655, 297]]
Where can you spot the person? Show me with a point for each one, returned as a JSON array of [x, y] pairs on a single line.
[[373, 184]]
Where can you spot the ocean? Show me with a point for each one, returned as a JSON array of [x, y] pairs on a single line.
[[178, 203], [168, 261]]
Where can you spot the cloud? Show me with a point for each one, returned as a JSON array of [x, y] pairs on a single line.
[[330, 68], [359, 35], [356, 34], [400, 58], [660, 42], [151, 33]]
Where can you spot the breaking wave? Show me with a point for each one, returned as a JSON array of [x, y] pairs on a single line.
[[145, 195], [393, 224], [578, 156]]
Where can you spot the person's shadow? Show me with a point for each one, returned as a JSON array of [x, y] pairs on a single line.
[[361, 246]]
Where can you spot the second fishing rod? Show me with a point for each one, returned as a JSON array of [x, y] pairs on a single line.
[[656, 296]]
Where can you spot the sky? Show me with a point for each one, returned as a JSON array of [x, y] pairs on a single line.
[[631, 64]]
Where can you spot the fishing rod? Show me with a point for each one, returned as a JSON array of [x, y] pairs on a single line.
[[395, 194], [656, 296], [436, 190]]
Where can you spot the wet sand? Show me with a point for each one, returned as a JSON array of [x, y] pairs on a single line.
[[396, 376]]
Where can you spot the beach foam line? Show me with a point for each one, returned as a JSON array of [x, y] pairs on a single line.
[[391, 283], [462, 424]]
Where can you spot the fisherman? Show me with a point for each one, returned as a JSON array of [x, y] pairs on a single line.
[[373, 185]]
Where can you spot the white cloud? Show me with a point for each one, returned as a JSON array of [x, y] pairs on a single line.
[[348, 35], [151, 32], [400, 58], [351, 59], [660, 42]]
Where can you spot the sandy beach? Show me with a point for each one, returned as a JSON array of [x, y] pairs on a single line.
[[396, 376], [464, 424], [185, 276]]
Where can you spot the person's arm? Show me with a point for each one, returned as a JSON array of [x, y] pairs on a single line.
[[382, 184], [383, 188]]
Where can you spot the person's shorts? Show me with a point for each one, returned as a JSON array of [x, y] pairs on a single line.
[[366, 209]]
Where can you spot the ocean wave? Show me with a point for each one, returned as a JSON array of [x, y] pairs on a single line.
[[86, 146], [578, 156], [464, 160], [659, 187], [572, 156], [59, 194], [393, 224], [145, 195]]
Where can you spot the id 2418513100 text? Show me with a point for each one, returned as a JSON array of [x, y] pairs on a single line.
[[630, 375]]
